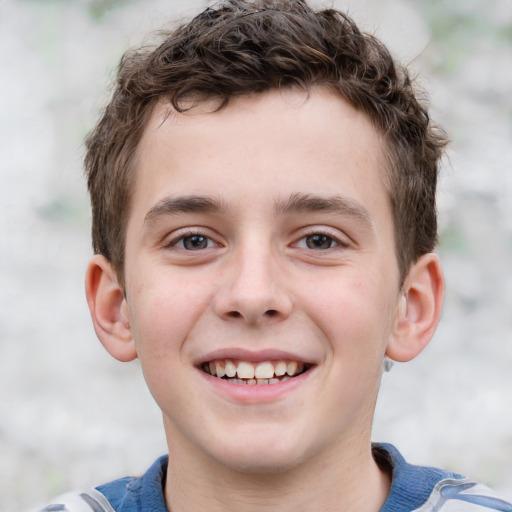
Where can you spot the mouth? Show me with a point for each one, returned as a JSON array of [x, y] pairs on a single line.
[[254, 374]]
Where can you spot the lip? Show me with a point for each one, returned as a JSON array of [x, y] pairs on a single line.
[[251, 394], [238, 354]]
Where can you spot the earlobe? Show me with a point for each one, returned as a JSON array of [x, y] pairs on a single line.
[[418, 310], [109, 310]]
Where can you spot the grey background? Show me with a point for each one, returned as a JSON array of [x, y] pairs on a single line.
[[70, 416]]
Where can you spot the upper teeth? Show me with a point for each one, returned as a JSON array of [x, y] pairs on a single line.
[[248, 370]]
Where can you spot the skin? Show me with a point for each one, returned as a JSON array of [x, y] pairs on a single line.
[[258, 180]]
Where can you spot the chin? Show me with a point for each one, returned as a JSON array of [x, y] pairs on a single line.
[[263, 457]]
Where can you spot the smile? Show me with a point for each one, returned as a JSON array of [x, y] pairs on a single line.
[[254, 374]]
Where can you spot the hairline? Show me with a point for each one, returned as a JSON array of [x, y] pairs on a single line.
[[386, 148]]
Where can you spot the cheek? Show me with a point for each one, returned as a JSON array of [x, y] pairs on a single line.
[[164, 311], [354, 314]]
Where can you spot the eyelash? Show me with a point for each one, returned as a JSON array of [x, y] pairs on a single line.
[[210, 242], [188, 235], [325, 236]]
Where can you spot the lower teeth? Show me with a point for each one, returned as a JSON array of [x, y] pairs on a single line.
[[257, 382]]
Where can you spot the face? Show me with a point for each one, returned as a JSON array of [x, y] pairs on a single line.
[[261, 279]]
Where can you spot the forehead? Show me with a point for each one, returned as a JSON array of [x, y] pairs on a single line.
[[269, 145]]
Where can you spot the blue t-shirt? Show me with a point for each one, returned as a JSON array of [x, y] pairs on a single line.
[[413, 489]]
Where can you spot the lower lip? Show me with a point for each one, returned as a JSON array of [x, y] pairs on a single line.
[[256, 393]]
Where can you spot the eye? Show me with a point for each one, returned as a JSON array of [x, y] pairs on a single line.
[[192, 242], [319, 242]]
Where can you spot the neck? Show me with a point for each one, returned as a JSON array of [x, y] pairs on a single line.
[[346, 479]]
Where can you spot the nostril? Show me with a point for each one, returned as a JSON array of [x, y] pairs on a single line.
[[269, 313]]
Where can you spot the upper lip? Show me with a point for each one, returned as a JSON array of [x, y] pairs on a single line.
[[256, 356]]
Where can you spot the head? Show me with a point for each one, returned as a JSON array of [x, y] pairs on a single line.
[[263, 193], [239, 48]]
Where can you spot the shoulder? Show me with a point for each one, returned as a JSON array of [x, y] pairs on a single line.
[[130, 494], [428, 489], [79, 501], [139, 494]]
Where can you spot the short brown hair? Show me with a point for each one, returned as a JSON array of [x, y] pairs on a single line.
[[244, 47]]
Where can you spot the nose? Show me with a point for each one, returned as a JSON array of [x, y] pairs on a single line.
[[253, 288]]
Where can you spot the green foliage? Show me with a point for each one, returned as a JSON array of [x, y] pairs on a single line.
[[63, 208], [454, 240], [98, 8], [54, 480], [459, 28]]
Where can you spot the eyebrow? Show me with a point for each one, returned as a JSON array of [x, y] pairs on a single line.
[[299, 203], [185, 204], [296, 203]]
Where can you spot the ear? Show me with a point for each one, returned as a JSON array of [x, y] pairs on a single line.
[[418, 310], [109, 310]]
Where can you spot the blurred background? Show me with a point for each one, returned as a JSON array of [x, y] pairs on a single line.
[[70, 416]]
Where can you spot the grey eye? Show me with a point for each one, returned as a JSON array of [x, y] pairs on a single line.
[[195, 242], [319, 241]]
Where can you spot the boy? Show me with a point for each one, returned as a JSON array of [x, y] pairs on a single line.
[[263, 193]]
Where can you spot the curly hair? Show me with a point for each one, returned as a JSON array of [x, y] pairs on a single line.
[[242, 47]]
